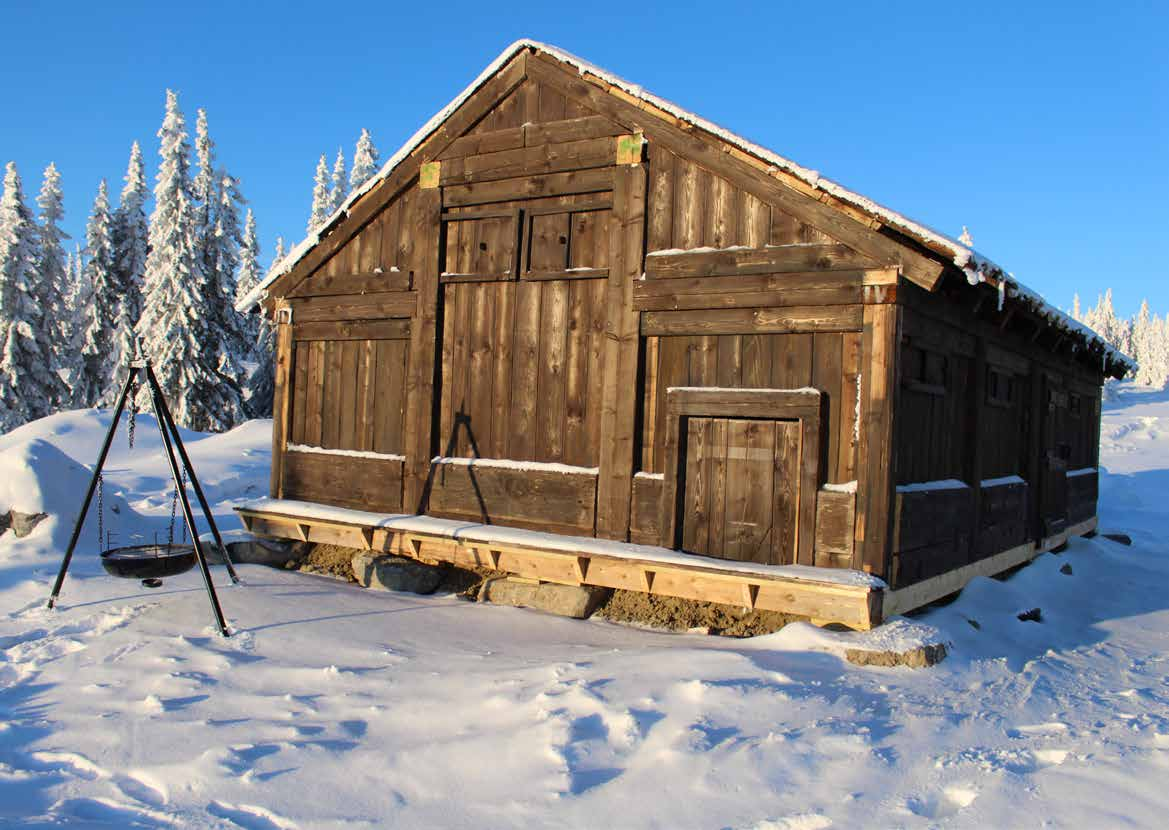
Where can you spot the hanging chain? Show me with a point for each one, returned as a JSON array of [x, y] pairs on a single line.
[[170, 536], [101, 533], [184, 476], [133, 407]]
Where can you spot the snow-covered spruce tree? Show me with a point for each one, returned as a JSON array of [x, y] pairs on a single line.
[[180, 324], [365, 161], [101, 359], [51, 289], [28, 387], [279, 254], [261, 382], [131, 235], [238, 331], [322, 185], [340, 187]]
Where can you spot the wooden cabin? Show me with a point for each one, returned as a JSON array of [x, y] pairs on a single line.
[[575, 333]]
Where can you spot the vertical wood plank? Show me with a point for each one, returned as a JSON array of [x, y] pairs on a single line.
[[660, 208], [282, 400], [696, 513], [875, 480], [481, 372], [598, 291], [649, 399], [312, 408], [446, 396], [525, 383], [299, 390], [576, 449], [619, 403], [424, 225], [365, 392], [847, 438], [688, 205], [719, 443], [347, 428], [331, 397], [729, 374], [786, 499], [551, 403], [720, 220], [502, 337], [827, 362]]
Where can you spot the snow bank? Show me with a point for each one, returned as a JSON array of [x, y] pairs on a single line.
[[337, 707]]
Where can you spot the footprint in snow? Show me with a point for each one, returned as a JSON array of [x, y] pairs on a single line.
[[249, 816], [948, 802]]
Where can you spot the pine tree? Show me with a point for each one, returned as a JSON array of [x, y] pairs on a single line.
[[101, 360], [1076, 314], [279, 254], [204, 190], [131, 235], [238, 331], [52, 288], [340, 188], [966, 239], [321, 199], [260, 382], [365, 161], [180, 324], [27, 388]]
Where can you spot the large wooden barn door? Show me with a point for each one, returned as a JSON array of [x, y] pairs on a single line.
[[742, 489]]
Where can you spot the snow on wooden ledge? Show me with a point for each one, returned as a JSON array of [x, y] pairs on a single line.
[[472, 532], [1001, 482], [942, 484], [1083, 471], [803, 390], [381, 456], [508, 464]]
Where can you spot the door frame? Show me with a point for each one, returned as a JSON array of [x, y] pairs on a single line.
[[803, 405]]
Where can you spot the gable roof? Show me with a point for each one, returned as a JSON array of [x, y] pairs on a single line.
[[976, 267]]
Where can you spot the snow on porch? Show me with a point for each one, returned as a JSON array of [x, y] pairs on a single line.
[[475, 532]]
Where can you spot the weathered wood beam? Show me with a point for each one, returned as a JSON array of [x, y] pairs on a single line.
[[875, 473], [753, 320], [320, 285], [771, 259], [620, 354], [353, 330], [594, 180]]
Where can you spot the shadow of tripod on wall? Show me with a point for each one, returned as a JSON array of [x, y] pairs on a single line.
[[462, 421]]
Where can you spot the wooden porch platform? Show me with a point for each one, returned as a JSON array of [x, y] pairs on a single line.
[[822, 594], [825, 595]]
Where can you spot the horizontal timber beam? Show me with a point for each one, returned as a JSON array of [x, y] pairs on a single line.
[[753, 320], [852, 605]]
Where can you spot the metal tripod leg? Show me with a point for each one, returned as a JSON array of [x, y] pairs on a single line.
[[178, 441], [158, 404], [101, 460]]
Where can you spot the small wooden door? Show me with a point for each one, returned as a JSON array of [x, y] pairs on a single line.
[[742, 488], [1053, 482]]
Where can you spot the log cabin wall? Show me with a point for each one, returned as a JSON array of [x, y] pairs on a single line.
[[997, 436]]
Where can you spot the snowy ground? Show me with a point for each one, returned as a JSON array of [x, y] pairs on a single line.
[[338, 707]]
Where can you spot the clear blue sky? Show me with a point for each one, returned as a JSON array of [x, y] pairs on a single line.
[[1045, 130]]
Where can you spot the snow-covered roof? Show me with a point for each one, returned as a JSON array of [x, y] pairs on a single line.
[[975, 266]]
